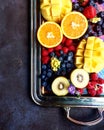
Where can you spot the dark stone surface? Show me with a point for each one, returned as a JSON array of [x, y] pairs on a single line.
[[17, 110]]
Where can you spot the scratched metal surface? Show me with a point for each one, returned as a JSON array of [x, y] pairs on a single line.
[[17, 110]]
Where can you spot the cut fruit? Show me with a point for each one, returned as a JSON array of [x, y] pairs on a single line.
[[79, 78], [74, 25], [90, 55], [49, 34], [60, 86], [55, 10]]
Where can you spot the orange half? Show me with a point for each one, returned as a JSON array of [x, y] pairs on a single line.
[[74, 25], [49, 34]]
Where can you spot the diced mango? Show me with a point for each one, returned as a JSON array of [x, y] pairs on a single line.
[[79, 52], [79, 60], [90, 43], [87, 64], [88, 53], [82, 44], [55, 10], [92, 53]]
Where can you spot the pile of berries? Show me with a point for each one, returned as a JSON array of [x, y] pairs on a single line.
[[90, 9], [95, 86], [65, 54]]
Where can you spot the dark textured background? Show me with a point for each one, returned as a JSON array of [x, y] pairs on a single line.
[[17, 110]]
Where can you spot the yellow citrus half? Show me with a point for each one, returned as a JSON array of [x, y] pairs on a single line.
[[74, 25], [49, 34]]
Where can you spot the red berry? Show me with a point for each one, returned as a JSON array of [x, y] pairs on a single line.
[[57, 53], [84, 2], [100, 81], [45, 59], [65, 50], [99, 91], [68, 42], [80, 91], [91, 85], [94, 76], [89, 12], [72, 48], [92, 92], [63, 40], [44, 52], [59, 47], [50, 50]]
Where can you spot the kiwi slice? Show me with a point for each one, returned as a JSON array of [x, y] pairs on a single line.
[[79, 78], [60, 86]]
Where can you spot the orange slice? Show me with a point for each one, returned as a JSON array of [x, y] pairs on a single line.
[[74, 25], [49, 34]]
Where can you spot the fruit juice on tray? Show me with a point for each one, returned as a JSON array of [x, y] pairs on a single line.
[[72, 47]]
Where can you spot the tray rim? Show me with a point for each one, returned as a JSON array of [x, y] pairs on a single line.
[[54, 101]]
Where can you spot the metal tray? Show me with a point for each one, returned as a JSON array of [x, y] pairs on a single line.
[[66, 102], [37, 96]]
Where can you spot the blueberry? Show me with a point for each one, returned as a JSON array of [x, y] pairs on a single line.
[[97, 28], [44, 66], [100, 1], [101, 14], [44, 72], [44, 83], [81, 9], [63, 65], [42, 76], [61, 52], [100, 22], [76, 6], [68, 65], [65, 61], [70, 54], [69, 58], [100, 33], [61, 58], [52, 54], [49, 74], [91, 3], [86, 35]]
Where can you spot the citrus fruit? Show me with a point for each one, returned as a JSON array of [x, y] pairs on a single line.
[[74, 25], [55, 10], [49, 34]]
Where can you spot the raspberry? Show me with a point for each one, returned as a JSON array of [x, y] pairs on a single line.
[[92, 92], [44, 52], [50, 50], [45, 59], [91, 85], [100, 81], [72, 48], [63, 40], [94, 76], [89, 12], [57, 53], [99, 91], [65, 50], [68, 42], [80, 91], [59, 47]]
